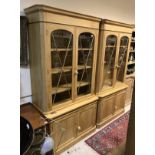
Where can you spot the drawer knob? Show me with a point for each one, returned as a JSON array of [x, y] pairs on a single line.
[[116, 107], [79, 128]]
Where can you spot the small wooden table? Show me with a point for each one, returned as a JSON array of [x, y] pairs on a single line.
[[33, 115]]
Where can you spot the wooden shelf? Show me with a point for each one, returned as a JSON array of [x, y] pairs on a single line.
[[130, 75], [66, 87], [61, 49], [110, 46], [70, 49], [60, 36], [61, 88], [131, 62], [58, 69], [123, 46], [133, 51], [82, 83], [85, 49], [82, 67], [67, 69]]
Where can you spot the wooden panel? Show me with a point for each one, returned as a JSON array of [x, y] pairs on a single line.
[[87, 118], [71, 107], [64, 130], [120, 101], [54, 15], [38, 67], [130, 142], [129, 82], [71, 21], [105, 108], [116, 26]]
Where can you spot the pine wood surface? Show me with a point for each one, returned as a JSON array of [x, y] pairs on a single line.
[[35, 117], [73, 119]]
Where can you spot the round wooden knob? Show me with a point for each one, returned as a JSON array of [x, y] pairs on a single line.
[[79, 128], [76, 73]]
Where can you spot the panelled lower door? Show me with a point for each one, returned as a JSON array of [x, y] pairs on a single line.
[[120, 101], [105, 108], [130, 83], [86, 119], [64, 130]]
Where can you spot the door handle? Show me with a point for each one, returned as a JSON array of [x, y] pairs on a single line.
[[76, 73], [79, 128], [117, 66], [116, 107]]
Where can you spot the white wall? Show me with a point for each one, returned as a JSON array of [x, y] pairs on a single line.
[[118, 10], [25, 85]]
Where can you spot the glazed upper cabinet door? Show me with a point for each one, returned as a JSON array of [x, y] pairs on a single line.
[[85, 60], [105, 108], [122, 58], [61, 65], [109, 60], [64, 130], [87, 118]]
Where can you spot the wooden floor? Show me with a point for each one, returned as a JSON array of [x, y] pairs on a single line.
[[82, 148]]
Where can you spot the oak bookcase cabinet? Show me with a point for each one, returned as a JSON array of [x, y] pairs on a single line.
[[63, 54], [114, 44], [63, 51]]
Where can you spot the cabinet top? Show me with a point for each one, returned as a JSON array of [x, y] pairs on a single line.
[[116, 26], [111, 22], [44, 8]]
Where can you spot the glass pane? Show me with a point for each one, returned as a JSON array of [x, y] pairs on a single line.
[[131, 69], [61, 64], [109, 60], [122, 58], [85, 62]]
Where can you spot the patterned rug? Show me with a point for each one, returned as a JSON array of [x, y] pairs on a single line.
[[108, 138]]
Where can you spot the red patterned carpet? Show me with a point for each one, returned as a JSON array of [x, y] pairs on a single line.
[[107, 139]]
